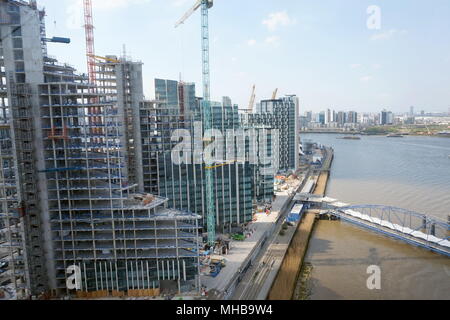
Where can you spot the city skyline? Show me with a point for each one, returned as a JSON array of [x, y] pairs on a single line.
[[367, 71], [126, 184]]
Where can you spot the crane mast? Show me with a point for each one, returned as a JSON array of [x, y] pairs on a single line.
[[205, 5], [207, 118], [90, 48], [251, 104]]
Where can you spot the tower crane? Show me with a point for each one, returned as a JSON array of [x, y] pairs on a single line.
[[274, 95], [205, 5], [252, 100], [90, 47]]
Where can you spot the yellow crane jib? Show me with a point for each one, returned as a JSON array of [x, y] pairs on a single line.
[[274, 96], [252, 100], [221, 165], [105, 59]]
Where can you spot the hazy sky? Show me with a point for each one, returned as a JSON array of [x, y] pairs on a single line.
[[323, 51]]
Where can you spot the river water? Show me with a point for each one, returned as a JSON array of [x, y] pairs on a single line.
[[411, 173]]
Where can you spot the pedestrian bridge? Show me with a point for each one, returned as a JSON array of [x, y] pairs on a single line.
[[415, 228]]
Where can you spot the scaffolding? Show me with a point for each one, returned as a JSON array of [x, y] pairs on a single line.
[[19, 219], [121, 240]]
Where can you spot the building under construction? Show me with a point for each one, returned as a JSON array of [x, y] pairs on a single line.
[[70, 181]]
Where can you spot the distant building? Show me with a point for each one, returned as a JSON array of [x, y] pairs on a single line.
[[328, 117], [341, 118], [352, 117], [309, 116], [322, 118], [386, 118]]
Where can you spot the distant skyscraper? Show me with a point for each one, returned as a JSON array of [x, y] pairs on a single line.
[[341, 118], [411, 111], [328, 117], [386, 118], [322, 118], [352, 117]]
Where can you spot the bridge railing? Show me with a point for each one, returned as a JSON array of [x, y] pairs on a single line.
[[431, 229]]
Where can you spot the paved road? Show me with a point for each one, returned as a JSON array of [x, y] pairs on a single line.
[[268, 260], [258, 279]]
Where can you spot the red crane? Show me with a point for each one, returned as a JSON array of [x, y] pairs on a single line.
[[90, 48], [90, 55]]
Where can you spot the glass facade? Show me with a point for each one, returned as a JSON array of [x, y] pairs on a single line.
[[282, 115], [185, 184]]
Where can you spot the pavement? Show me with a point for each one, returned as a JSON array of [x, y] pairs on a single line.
[[243, 252], [284, 286], [258, 280]]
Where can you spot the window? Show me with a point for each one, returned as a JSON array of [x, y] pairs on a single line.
[[17, 43], [16, 31], [18, 55]]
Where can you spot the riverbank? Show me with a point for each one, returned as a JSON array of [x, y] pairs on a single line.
[[285, 282], [285, 285], [322, 183], [378, 134]]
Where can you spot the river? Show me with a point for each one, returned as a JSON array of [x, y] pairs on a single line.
[[411, 173]]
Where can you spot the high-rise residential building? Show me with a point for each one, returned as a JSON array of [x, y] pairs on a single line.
[[386, 118], [411, 111], [322, 118], [341, 118], [67, 204], [309, 116], [352, 117], [328, 117], [282, 115]]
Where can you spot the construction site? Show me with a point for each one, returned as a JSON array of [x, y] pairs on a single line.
[[92, 206], [71, 186]]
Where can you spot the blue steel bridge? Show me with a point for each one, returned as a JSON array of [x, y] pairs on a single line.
[[415, 228]]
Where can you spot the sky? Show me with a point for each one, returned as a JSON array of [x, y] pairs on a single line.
[[337, 54]]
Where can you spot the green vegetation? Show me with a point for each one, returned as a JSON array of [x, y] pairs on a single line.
[[420, 130], [379, 130], [238, 237], [304, 285]]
